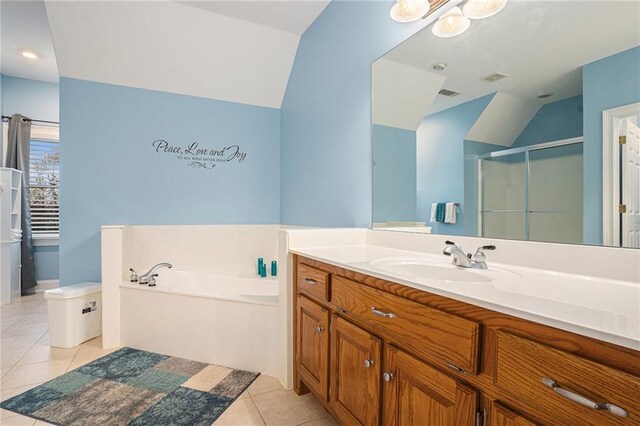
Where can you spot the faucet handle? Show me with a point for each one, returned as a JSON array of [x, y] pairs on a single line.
[[479, 255], [152, 280], [134, 276], [489, 247]]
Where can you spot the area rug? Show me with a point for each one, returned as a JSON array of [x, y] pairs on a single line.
[[134, 387]]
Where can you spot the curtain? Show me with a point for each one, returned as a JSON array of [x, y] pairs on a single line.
[[18, 151]]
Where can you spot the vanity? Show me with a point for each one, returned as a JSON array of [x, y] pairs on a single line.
[[388, 351]]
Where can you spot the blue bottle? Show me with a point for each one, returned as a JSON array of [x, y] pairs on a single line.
[[274, 268], [263, 270], [260, 265]]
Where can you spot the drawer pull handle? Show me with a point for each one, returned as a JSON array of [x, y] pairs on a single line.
[[368, 363], [613, 409], [379, 313], [310, 281], [387, 377], [456, 368], [319, 329]]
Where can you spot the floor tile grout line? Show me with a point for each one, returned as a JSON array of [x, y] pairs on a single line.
[[257, 408]]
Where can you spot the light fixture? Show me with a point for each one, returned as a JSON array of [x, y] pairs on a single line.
[[451, 24], [439, 66], [30, 54], [480, 9], [409, 10], [546, 95]]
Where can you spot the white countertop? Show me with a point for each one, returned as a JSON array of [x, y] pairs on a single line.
[[606, 310]]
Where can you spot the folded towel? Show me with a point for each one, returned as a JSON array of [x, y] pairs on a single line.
[[434, 207], [450, 213], [440, 212]]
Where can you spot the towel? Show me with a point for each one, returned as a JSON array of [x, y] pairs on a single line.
[[434, 207], [450, 213], [440, 212]]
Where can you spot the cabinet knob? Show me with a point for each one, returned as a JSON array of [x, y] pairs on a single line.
[[368, 363], [378, 312], [319, 329], [387, 377]]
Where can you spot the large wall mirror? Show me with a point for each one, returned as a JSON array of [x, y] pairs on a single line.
[[523, 127]]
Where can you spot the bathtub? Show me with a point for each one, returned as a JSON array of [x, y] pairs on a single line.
[[223, 315]]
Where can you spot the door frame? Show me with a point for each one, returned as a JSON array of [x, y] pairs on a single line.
[[611, 170]]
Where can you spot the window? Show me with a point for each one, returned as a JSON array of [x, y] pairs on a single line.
[[44, 178]]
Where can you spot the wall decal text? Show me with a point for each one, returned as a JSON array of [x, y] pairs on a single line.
[[201, 157]]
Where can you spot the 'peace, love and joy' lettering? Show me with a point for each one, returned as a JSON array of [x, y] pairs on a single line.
[[203, 158]]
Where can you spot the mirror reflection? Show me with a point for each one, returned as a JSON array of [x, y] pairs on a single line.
[[525, 126]]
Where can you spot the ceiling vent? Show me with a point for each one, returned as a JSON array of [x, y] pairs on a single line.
[[449, 93], [492, 78]]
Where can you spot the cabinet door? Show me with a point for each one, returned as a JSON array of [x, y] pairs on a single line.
[[504, 416], [355, 374], [312, 343], [418, 394]]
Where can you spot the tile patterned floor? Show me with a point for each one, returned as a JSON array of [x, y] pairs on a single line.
[[27, 360]]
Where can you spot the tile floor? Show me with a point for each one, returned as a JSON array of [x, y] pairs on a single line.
[[27, 360]]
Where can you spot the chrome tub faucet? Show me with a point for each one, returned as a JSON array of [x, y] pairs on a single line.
[[466, 260], [148, 278]]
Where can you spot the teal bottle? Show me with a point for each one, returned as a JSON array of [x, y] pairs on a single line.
[[274, 268]]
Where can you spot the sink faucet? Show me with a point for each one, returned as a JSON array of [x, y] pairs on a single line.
[[149, 276], [464, 260]]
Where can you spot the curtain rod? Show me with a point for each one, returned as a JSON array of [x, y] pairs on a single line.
[[7, 118]]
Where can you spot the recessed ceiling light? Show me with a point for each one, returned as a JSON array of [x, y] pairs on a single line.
[[546, 95], [480, 9], [30, 54], [440, 66], [451, 24], [409, 10]]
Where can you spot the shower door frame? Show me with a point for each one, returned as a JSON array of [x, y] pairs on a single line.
[[527, 163]]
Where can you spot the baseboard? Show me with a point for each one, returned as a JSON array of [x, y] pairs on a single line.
[[47, 285]]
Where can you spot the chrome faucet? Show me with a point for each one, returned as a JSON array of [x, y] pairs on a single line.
[[150, 276], [467, 260]]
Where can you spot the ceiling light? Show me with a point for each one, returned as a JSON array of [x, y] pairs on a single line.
[[439, 67], [409, 10], [451, 24], [546, 95], [480, 9], [30, 54]]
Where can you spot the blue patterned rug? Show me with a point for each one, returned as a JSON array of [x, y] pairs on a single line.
[[133, 387]]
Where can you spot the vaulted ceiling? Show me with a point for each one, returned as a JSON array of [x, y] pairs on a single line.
[[228, 50]]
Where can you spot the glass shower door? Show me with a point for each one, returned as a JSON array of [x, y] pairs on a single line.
[[556, 194], [503, 213]]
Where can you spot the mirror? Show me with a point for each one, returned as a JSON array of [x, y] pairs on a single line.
[[514, 128]]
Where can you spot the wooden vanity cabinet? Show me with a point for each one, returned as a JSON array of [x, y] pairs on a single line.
[[379, 353], [417, 394], [355, 374], [312, 343], [501, 415]]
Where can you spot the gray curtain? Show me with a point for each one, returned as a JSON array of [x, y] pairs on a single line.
[[18, 150]]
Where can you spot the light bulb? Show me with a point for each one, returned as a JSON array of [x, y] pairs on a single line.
[[480, 9], [30, 54], [409, 10], [451, 24]]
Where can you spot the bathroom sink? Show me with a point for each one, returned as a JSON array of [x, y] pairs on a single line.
[[434, 270]]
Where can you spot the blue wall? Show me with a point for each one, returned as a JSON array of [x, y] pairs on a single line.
[[555, 121], [34, 99], [326, 114], [38, 100], [440, 152], [394, 174], [608, 83], [111, 174]]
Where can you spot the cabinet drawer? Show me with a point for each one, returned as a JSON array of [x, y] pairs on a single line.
[[523, 365], [445, 339], [313, 282]]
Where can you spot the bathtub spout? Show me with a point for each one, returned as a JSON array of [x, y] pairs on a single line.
[[145, 278]]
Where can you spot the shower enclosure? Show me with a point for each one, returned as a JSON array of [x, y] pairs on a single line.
[[532, 193]]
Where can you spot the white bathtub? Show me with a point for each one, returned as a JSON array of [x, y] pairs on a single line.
[[226, 315]]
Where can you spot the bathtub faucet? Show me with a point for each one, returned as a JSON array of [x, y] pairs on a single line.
[[147, 277]]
